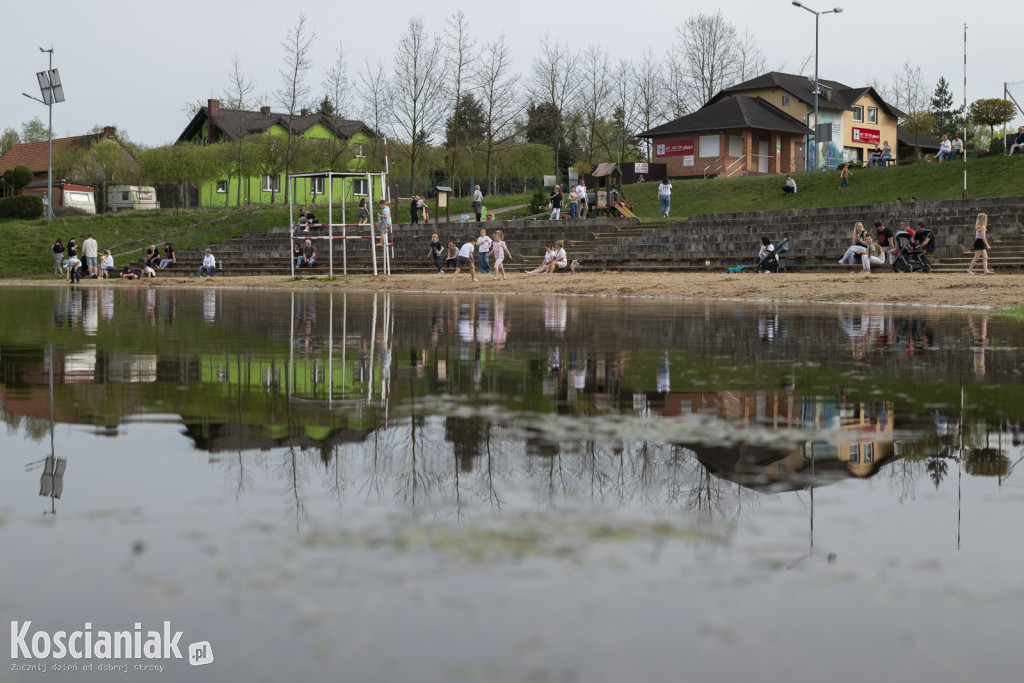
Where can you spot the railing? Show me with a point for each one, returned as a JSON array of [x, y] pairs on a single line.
[[712, 169], [228, 226], [735, 167]]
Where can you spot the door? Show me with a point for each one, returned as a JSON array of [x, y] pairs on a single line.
[[762, 156]]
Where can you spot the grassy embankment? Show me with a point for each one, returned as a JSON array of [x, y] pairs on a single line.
[[27, 252], [28, 242]]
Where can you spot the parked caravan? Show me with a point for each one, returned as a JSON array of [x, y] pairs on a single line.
[[138, 197], [83, 201]]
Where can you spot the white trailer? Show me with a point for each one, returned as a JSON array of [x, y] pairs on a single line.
[[137, 197]]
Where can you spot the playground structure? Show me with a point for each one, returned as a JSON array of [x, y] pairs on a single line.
[[610, 198], [387, 246]]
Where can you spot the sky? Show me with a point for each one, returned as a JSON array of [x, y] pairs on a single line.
[[135, 65]]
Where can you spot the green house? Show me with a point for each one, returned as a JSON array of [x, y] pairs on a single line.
[[321, 143]]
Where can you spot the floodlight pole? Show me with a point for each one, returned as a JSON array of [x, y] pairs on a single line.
[[817, 16]]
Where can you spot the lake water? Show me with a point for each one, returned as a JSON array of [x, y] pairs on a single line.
[[373, 487]]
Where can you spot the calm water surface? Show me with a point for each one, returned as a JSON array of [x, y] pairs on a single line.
[[368, 487]]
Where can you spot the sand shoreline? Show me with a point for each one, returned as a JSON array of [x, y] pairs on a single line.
[[934, 289]]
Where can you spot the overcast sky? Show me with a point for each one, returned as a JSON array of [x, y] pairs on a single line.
[[135, 64]]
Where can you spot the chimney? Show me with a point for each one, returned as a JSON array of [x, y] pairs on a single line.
[[213, 106], [304, 112], [265, 111], [110, 132]]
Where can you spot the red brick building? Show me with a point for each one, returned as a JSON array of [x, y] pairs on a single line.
[[738, 135]]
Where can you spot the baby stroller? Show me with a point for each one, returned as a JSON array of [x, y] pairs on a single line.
[[909, 257], [769, 263]]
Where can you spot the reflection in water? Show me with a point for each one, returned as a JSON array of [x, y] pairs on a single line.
[[681, 408]]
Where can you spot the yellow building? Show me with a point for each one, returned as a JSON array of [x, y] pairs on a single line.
[[860, 117]]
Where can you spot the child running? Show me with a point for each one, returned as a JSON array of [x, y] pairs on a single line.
[[364, 217], [465, 259], [500, 250]]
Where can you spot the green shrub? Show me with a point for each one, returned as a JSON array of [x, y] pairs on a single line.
[[996, 146], [539, 201], [26, 207]]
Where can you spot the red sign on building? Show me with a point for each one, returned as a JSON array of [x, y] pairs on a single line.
[[682, 148], [867, 135]]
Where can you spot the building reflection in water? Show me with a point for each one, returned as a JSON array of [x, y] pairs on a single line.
[[479, 416]]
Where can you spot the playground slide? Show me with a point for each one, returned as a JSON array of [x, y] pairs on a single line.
[[624, 211]]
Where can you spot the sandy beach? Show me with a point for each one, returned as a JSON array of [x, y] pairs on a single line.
[[960, 289]]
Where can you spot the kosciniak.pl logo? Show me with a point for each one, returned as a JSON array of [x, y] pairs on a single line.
[[89, 644]]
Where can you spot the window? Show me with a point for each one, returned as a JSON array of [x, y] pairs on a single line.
[[869, 452], [785, 100], [271, 184], [872, 114], [858, 113], [735, 146], [317, 186], [709, 146], [359, 188], [359, 151], [222, 186], [854, 453]]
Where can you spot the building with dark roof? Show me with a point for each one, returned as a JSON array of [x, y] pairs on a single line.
[[757, 134], [341, 144]]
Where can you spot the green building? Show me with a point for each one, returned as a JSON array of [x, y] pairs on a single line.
[[259, 139]]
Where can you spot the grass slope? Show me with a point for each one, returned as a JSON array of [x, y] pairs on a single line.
[[986, 177]]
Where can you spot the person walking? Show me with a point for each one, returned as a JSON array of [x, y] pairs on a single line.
[[574, 203], [478, 202], [845, 175], [364, 216], [981, 245], [58, 257], [501, 252], [665, 196]]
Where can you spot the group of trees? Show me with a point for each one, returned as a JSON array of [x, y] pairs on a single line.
[[934, 114]]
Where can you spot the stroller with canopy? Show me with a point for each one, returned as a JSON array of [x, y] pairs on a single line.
[[769, 263], [909, 257]]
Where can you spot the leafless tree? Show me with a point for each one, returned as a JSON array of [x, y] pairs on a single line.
[[908, 90], [750, 61], [552, 81], [375, 93], [495, 85], [332, 152], [647, 92], [419, 102], [708, 55], [595, 91], [294, 91], [461, 49], [240, 88]]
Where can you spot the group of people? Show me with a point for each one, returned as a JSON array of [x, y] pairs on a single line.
[[463, 257], [880, 156], [306, 222], [92, 264], [949, 149], [578, 202], [881, 247]]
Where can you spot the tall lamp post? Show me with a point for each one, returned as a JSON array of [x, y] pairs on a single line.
[[817, 16], [52, 91]]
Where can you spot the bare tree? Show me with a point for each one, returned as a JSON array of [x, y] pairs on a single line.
[[419, 104], [375, 93], [908, 90], [240, 88], [461, 49], [294, 91], [495, 85], [595, 90], [331, 153], [647, 92], [750, 61], [708, 56], [552, 83]]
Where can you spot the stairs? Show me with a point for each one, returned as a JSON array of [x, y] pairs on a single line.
[[1005, 256]]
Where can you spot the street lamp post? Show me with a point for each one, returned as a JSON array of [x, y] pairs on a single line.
[[52, 91], [817, 16]]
